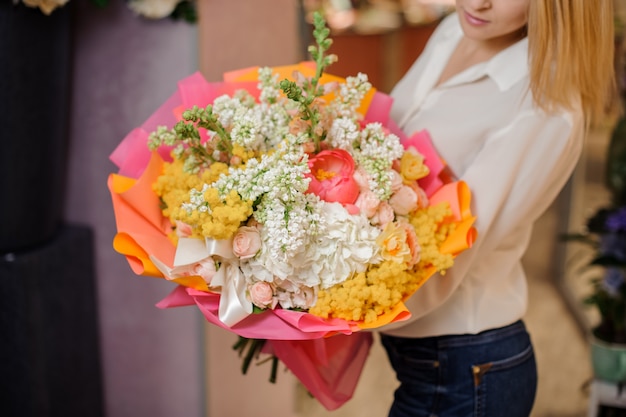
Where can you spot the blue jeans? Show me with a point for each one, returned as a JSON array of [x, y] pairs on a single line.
[[491, 374]]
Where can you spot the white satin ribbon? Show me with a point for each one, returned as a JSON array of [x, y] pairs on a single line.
[[234, 305], [191, 251]]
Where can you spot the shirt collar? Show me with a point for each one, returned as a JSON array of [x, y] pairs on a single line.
[[510, 65], [505, 69]]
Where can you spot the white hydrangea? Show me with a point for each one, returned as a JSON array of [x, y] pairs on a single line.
[[347, 246], [292, 295]]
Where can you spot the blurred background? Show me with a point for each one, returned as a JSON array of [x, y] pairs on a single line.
[[80, 332]]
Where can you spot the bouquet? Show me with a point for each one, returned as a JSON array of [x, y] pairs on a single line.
[[290, 209]]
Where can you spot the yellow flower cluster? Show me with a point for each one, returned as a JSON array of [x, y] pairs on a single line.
[[243, 153], [376, 291], [224, 216], [222, 220]]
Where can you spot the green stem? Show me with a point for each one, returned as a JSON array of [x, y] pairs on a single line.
[[274, 370]]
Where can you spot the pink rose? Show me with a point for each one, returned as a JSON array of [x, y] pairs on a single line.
[[332, 177], [396, 180], [384, 215], [205, 269], [368, 203], [404, 200], [247, 242], [422, 198], [261, 294], [362, 179]]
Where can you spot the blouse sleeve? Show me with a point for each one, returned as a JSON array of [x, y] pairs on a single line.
[[514, 178]]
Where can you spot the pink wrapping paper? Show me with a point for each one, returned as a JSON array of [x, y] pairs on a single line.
[[329, 368]]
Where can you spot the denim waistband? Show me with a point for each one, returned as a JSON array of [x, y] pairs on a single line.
[[486, 336]]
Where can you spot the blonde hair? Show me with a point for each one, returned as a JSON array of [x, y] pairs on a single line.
[[571, 54]]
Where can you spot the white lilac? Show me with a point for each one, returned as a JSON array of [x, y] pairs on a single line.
[[268, 85], [226, 109], [343, 133], [289, 224], [380, 176], [288, 231], [274, 126], [246, 128], [350, 95], [162, 136], [191, 164], [196, 201], [376, 143]]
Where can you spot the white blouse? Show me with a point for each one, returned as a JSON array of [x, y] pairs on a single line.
[[515, 159]]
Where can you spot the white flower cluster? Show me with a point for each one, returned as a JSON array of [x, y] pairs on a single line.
[[350, 95], [377, 144], [376, 153], [278, 184], [347, 246], [268, 85], [196, 201], [254, 126], [343, 133]]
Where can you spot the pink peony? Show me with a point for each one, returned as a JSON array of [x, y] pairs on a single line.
[[332, 177]]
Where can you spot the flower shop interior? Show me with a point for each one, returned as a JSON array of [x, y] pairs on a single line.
[[84, 335]]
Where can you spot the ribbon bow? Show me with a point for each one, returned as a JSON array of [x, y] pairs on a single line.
[[228, 280]]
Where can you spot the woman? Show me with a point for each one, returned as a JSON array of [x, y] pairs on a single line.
[[506, 89]]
